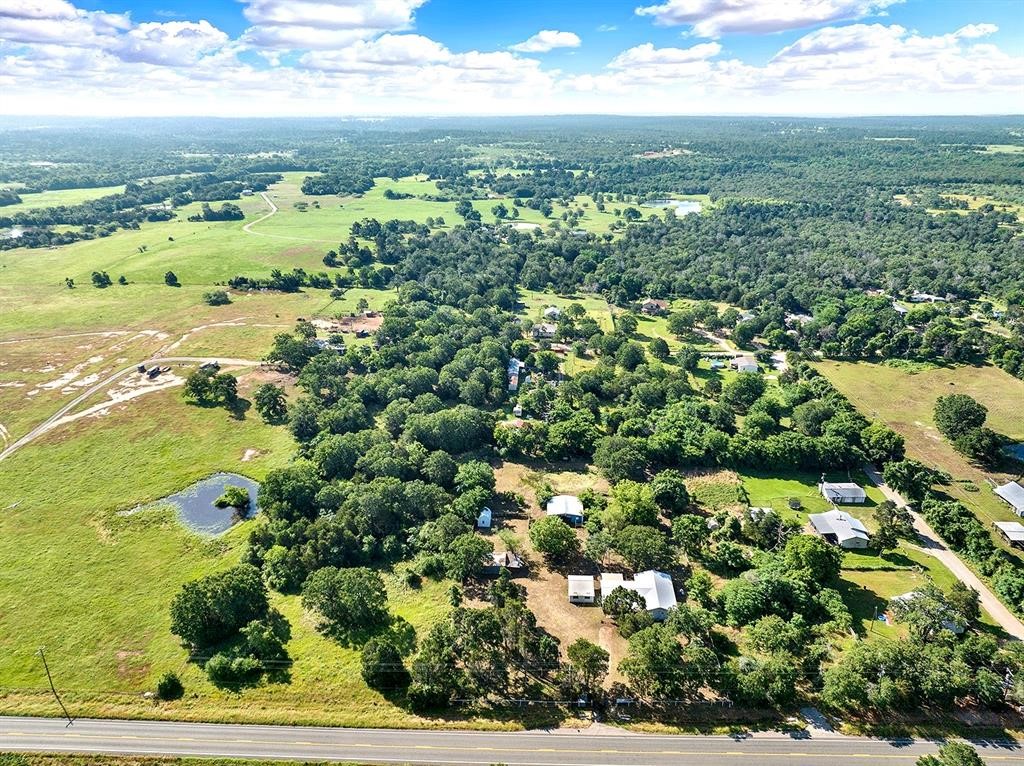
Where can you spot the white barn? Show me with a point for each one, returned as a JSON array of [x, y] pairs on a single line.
[[1013, 493], [843, 492]]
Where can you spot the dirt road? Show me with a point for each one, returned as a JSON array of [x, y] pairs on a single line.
[[53, 420]]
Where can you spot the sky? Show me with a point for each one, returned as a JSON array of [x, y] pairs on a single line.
[[497, 57]]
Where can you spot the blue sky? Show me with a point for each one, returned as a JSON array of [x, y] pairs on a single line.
[[370, 57]]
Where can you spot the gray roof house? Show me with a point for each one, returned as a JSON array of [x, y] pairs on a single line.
[[840, 529]]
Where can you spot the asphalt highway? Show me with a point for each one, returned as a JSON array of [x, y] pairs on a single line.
[[597, 747]]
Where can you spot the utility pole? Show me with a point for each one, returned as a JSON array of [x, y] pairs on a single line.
[[49, 678]]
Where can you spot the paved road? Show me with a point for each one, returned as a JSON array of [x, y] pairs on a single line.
[[49, 423], [561, 748], [932, 545]]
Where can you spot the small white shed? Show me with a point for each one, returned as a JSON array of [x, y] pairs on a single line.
[[581, 589]]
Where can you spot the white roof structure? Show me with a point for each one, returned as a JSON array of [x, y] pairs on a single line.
[[844, 526], [1012, 530], [581, 587], [1013, 493], [842, 490], [745, 364], [655, 587], [565, 505], [545, 329], [484, 519], [552, 312]]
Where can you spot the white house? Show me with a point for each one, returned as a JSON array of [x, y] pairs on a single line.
[[569, 508], [744, 364], [654, 307], [553, 312], [655, 587], [842, 492], [926, 298], [1013, 493], [483, 521], [840, 529], [581, 589], [544, 330]]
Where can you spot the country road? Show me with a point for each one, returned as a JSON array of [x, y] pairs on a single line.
[[932, 545], [51, 421], [600, 746], [273, 209]]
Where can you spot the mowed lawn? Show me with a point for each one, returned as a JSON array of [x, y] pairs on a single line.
[[906, 400], [94, 585]]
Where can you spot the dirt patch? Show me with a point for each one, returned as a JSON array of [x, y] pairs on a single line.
[[368, 323], [130, 665], [251, 454]]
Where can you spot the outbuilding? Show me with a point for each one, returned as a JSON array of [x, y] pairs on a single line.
[[483, 521], [568, 508], [843, 492], [745, 364], [840, 529], [581, 589], [1012, 531], [1013, 493]]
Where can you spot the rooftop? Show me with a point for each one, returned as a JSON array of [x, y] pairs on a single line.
[[1013, 493], [842, 525], [565, 505], [1012, 530], [655, 587]]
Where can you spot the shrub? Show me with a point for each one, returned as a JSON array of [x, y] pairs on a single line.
[[169, 687]]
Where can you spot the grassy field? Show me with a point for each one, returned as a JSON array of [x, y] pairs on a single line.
[[59, 197], [93, 585], [905, 401]]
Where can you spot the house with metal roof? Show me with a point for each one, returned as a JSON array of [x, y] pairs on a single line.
[[840, 529], [1012, 531], [655, 587], [568, 508]]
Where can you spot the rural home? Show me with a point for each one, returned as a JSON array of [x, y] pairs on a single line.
[[655, 587], [567, 507], [926, 298], [842, 492], [744, 364], [840, 529], [1012, 531], [899, 309], [654, 307], [581, 589], [515, 373], [544, 330], [903, 601], [1013, 493], [553, 312], [495, 562]]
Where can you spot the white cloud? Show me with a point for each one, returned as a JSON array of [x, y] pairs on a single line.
[[546, 40], [173, 43], [324, 24], [607, 28], [713, 18]]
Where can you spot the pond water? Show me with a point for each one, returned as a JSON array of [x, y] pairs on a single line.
[[1016, 451], [195, 504], [682, 206]]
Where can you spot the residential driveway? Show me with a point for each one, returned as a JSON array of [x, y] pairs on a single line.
[[932, 545]]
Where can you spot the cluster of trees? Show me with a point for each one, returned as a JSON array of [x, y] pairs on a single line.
[[208, 388], [961, 419], [227, 212], [9, 197], [226, 621]]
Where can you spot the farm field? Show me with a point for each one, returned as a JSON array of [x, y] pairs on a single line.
[[905, 401]]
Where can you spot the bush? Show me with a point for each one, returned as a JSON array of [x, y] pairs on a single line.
[[169, 687], [216, 298], [225, 670], [233, 497], [553, 537], [382, 666]]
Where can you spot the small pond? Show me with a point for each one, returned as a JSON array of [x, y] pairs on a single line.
[[1016, 451], [196, 507], [682, 206]]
